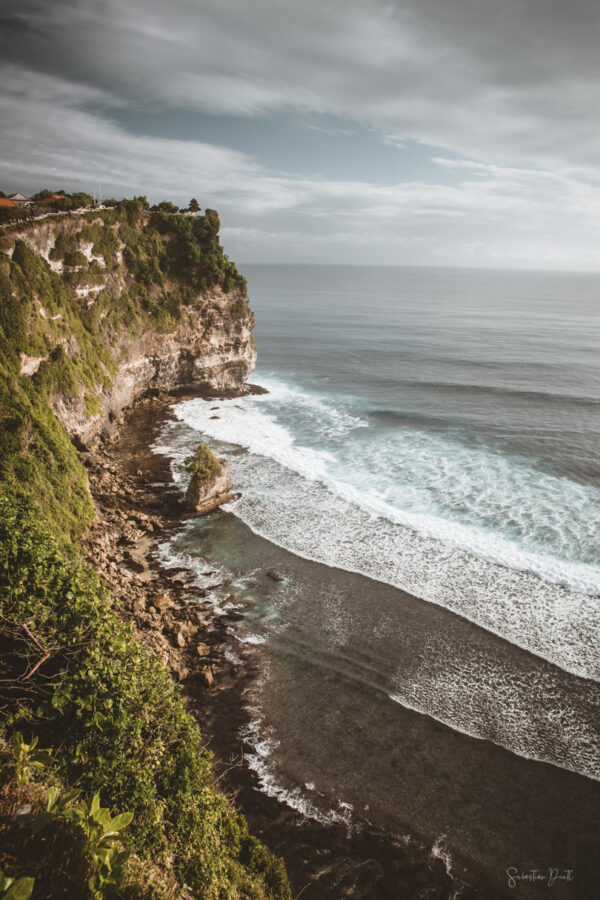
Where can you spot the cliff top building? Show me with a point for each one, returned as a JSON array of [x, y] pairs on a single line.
[[19, 199]]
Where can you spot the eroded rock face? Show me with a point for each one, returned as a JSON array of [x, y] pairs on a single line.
[[212, 350], [204, 496]]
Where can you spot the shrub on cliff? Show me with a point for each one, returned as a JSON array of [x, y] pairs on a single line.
[[75, 258], [203, 465], [65, 243], [10, 214], [37, 459]]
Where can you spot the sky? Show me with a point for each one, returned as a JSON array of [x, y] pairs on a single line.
[[424, 132]]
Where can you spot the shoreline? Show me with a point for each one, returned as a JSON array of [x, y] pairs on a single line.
[[137, 505]]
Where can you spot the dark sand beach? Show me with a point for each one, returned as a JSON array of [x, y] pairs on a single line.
[[417, 798]]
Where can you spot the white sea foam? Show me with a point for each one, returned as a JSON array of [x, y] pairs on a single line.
[[537, 601], [530, 708], [254, 639], [535, 715], [172, 557], [440, 850], [499, 509]]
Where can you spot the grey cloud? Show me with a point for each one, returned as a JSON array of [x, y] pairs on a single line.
[[509, 214], [512, 87], [515, 80]]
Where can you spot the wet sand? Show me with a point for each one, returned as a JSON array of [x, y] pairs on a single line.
[[325, 700]]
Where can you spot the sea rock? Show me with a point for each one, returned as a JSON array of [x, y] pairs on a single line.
[[275, 575], [204, 496], [135, 561]]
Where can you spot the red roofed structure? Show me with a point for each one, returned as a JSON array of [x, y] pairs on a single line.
[[20, 199], [52, 199]]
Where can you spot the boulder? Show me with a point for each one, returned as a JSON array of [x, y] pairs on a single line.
[[207, 677], [162, 601], [204, 496], [135, 561], [274, 575]]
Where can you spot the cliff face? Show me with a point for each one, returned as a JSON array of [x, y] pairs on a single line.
[[139, 301], [210, 350]]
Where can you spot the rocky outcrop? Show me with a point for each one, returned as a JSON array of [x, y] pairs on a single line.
[[204, 496], [212, 350]]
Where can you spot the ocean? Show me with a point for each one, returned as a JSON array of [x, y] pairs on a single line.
[[424, 473]]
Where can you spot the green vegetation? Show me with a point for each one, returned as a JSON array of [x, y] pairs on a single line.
[[73, 678], [15, 888], [168, 260], [117, 722], [45, 202], [65, 243], [101, 859], [203, 464], [60, 201], [167, 206], [16, 214]]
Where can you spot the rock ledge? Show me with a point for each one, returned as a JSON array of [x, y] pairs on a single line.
[[204, 496]]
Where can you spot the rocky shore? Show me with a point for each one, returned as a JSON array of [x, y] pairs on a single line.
[[138, 507]]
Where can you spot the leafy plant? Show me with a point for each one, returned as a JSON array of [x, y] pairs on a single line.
[[75, 258], [27, 758], [120, 721], [15, 888], [78, 677], [102, 831]]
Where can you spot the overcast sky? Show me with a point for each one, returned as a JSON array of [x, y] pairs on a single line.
[[441, 132]]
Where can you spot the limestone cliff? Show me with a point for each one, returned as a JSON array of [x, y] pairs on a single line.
[[210, 350], [135, 301]]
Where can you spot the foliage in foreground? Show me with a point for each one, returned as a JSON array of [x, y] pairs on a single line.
[[75, 677]]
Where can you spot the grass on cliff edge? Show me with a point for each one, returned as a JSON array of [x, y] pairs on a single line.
[[72, 674]]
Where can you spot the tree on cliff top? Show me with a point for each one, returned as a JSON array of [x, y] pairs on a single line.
[[166, 206], [194, 206]]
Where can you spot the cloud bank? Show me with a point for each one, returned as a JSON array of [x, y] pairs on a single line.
[[506, 92]]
